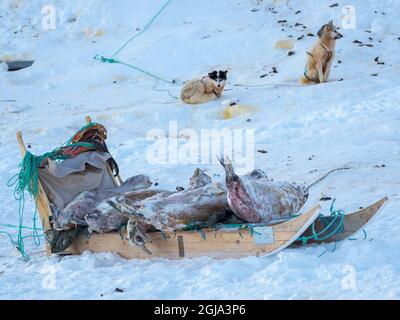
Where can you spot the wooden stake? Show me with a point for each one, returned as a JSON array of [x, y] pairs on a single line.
[[42, 202]]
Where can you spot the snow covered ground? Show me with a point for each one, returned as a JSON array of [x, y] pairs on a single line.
[[306, 131]]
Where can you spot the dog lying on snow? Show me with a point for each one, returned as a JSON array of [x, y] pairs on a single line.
[[321, 56], [205, 89]]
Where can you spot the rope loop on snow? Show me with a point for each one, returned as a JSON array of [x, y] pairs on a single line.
[[152, 75]]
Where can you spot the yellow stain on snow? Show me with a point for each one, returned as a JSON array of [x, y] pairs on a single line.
[[15, 4], [90, 33], [284, 44], [19, 56], [99, 33], [93, 87], [237, 110], [6, 57]]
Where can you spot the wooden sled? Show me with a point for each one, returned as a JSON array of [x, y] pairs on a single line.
[[211, 243], [223, 243]]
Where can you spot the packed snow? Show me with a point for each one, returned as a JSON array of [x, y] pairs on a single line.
[[305, 131]]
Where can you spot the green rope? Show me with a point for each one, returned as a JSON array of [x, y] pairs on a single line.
[[329, 229], [148, 24], [364, 236], [28, 180], [16, 227], [195, 226], [113, 60]]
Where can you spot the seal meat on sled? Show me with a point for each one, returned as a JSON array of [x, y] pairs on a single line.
[[78, 211], [203, 204], [259, 199]]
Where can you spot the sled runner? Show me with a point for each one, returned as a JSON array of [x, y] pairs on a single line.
[[259, 241], [223, 242]]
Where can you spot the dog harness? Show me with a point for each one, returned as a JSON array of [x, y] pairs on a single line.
[[328, 52]]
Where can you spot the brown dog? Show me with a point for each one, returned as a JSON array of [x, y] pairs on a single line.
[[321, 56]]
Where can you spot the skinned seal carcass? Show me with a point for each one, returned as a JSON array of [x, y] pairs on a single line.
[[259, 199], [203, 204], [84, 203]]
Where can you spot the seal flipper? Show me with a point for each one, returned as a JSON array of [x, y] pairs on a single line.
[[135, 236], [199, 179]]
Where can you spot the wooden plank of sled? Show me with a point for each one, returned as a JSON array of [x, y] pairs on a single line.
[[43, 205], [117, 179], [42, 200], [190, 244], [352, 223]]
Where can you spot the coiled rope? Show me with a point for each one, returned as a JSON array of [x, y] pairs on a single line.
[[333, 225]]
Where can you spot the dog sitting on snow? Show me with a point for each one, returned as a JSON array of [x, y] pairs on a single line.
[[321, 56], [205, 89]]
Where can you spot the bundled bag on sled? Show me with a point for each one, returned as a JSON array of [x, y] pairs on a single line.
[[88, 166], [84, 166]]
